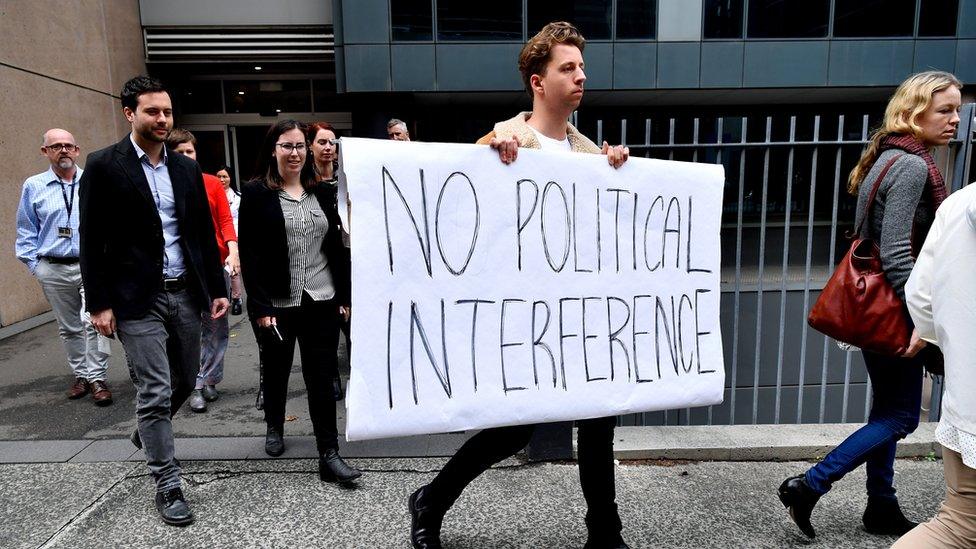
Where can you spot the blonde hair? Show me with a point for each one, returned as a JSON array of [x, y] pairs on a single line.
[[911, 99]]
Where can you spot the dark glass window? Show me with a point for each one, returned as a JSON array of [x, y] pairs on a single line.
[[412, 19], [788, 18], [591, 17], [268, 97], [636, 19], [874, 17], [467, 20], [198, 97], [938, 18], [723, 18]]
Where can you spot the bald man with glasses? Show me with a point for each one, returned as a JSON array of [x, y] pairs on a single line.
[[47, 242]]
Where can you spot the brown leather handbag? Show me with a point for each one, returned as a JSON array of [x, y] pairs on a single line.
[[858, 306]]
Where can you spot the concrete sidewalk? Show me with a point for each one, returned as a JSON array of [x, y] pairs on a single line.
[[37, 423], [281, 503], [69, 477]]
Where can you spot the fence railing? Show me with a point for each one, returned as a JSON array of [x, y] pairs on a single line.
[[787, 211]]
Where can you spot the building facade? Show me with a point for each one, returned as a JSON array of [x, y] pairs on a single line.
[[783, 93]]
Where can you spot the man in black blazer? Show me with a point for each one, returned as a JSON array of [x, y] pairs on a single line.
[[149, 263]]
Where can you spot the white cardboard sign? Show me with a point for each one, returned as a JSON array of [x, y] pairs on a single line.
[[554, 288]]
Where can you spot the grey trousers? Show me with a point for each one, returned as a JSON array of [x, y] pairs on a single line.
[[87, 351], [163, 351], [213, 345]]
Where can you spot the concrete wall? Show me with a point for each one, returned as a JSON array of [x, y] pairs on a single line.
[[61, 65]]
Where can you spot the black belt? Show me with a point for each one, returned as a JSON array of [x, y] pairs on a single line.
[[60, 260], [176, 284]]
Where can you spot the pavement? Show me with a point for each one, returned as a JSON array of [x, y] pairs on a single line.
[[70, 478]]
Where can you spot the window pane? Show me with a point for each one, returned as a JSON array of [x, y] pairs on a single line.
[[636, 18], [268, 97], [938, 18], [591, 17], [466, 20], [723, 18], [874, 17], [197, 97], [788, 18], [412, 19]]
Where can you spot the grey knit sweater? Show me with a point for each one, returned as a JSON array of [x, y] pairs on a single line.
[[901, 200]]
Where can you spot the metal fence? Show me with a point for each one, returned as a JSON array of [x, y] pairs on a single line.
[[787, 211]]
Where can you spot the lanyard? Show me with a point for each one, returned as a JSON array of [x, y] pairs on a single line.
[[68, 204]]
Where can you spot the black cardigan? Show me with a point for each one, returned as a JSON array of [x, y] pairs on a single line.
[[263, 246]]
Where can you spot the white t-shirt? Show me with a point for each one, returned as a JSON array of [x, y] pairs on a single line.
[[550, 144]]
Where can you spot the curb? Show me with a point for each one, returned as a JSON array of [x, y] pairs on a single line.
[[753, 442]]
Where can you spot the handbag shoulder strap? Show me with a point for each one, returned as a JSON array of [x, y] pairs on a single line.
[[874, 193]]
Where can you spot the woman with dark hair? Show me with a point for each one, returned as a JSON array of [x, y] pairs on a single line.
[[297, 287], [922, 114], [325, 159], [226, 177]]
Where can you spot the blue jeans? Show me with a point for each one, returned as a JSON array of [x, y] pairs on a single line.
[[897, 384]]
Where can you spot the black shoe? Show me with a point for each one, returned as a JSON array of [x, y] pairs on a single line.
[[173, 508], [337, 391], [332, 468], [593, 543], [235, 306], [274, 441], [800, 499], [425, 521], [883, 517], [210, 393], [197, 402], [135, 440]]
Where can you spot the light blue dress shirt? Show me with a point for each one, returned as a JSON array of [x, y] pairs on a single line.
[[162, 191], [42, 211]]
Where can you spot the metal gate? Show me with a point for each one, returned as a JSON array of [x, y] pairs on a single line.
[[785, 215]]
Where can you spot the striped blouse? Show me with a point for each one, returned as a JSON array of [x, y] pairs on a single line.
[[305, 228]]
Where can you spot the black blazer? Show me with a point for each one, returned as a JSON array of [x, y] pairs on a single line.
[[122, 236], [263, 246]]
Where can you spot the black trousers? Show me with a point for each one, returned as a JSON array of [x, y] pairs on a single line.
[[315, 326], [488, 447]]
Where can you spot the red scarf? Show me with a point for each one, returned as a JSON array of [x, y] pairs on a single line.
[[934, 184]]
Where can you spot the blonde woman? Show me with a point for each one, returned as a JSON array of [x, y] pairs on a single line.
[[922, 114]]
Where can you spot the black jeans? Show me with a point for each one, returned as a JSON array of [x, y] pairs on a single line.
[[488, 447], [314, 325]]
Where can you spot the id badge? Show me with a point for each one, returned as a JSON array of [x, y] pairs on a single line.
[[64, 232]]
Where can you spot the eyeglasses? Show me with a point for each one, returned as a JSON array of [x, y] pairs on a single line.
[[292, 147], [57, 147]]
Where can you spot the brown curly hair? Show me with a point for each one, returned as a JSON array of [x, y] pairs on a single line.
[[536, 52]]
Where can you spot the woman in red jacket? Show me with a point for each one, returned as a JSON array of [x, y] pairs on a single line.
[[214, 333]]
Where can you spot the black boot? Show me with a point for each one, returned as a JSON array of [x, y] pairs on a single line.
[[274, 441], [800, 499], [615, 542], [603, 530], [332, 468], [883, 517], [173, 508], [425, 521]]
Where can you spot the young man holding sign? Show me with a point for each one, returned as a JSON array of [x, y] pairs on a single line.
[[551, 64]]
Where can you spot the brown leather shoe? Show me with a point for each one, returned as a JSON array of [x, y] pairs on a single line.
[[78, 389], [100, 393]]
